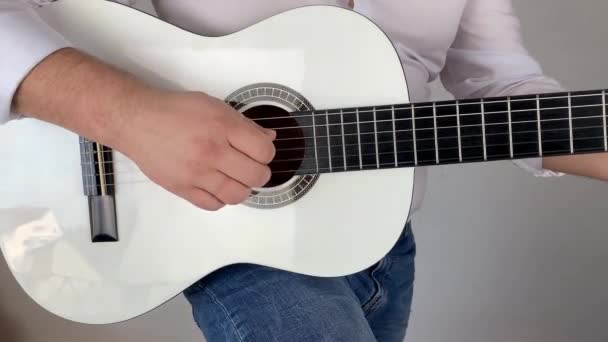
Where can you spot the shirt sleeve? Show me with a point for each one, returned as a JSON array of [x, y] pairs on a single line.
[[25, 40], [488, 58]]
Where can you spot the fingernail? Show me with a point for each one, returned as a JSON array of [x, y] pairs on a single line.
[[272, 133]]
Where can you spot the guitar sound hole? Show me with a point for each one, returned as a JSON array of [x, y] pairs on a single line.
[[290, 143]]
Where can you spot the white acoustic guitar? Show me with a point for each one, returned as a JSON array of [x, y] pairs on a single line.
[[91, 239]]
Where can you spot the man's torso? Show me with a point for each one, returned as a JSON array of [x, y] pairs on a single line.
[[422, 31]]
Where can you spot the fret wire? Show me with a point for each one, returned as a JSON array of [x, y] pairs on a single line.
[[570, 123], [314, 133], [447, 148], [604, 118], [395, 137], [328, 140], [540, 134], [483, 131], [343, 140], [359, 140], [458, 128], [510, 127], [435, 129], [414, 135], [376, 139]]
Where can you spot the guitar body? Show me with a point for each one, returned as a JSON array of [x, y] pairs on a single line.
[[328, 225]]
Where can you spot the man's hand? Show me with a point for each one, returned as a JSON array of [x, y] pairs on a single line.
[[187, 142], [198, 148]]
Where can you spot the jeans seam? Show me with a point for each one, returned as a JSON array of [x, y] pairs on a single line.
[[371, 303], [384, 263], [225, 311]]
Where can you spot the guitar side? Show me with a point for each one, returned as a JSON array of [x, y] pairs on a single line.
[[342, 224]]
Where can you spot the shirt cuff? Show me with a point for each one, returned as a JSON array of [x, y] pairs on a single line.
[[25, 40], [535, 166]]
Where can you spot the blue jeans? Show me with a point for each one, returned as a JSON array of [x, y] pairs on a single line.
[[254, 303]]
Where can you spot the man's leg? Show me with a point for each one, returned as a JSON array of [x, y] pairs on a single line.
[[256, 303], [386, 290]]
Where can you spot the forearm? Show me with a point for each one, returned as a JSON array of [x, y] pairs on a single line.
[[80, 93], [586, 165]]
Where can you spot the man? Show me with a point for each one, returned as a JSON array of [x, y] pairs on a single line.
[[473, 45]]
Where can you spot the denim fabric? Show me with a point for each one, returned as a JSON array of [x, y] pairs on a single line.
[[254, 303]]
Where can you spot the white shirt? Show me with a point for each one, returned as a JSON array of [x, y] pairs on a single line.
[[474, 46]]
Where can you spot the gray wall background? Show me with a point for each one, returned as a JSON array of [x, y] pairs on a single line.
[[503, 256]]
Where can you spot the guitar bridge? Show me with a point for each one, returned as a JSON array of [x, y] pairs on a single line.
[[98, 183], [102, 213]]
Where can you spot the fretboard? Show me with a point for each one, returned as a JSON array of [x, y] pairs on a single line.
[[450, 132]]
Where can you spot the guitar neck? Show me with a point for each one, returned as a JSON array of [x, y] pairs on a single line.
[[450, 132]]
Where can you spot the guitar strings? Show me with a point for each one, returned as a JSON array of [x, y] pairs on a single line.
[[438, 105], [535, 141], [433, 161], [376, 165], [309, 114], [421, 129], [326, 114], [365, 167], [325, 137], [327, 126], [437, 117]]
